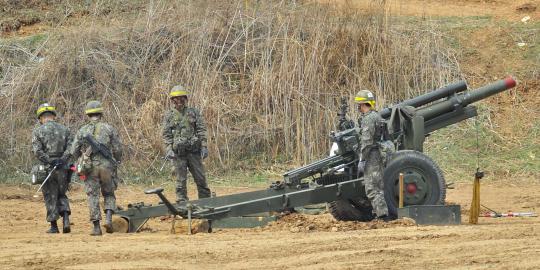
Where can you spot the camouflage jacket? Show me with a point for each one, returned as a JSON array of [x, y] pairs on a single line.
[[51, 141], [102, 133], [184, 130], [368, 128]]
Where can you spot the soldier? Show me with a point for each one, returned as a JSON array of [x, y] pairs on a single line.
[[184, 134], [371, 153], [100, 170], [50, 144]]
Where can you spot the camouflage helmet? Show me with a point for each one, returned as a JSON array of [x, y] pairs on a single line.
[[45, 107], [365, 96], [93, 107], [178, 91]]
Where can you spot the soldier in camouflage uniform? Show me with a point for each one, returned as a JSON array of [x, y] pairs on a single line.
[[184, 134], [50, 144], [100, 172], [370, 152]]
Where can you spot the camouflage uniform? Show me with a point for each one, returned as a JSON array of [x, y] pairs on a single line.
[[373, 173], [102, 175], [51, 141], [184, 132]]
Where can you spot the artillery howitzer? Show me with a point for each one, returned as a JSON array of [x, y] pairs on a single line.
[[335, 179]]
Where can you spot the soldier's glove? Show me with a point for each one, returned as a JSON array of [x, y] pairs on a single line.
[[170, 155], [204, 152], [59, 163], [361, 166]]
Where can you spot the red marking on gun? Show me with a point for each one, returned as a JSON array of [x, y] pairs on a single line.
[[510, 82]]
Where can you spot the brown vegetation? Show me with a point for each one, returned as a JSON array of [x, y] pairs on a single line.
[[267, 75]]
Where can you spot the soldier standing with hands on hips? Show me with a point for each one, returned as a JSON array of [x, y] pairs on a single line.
[[184, 135]]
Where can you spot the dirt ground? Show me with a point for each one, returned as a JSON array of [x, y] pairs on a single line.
[[300, 242], [502, 9]]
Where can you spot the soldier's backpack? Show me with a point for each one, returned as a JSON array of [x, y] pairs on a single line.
[[386, 146]]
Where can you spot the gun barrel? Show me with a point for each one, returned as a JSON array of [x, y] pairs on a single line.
[[315, 167], [465, 99], [434, 95]]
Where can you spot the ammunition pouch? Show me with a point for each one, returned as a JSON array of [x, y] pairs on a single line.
[[84, 163], [39, 173], [194, 145], [180, 146], [381, 131], [183, 146], [387, 149], [384, 144]]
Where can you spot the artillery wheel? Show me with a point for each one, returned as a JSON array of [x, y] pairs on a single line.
[[351, 210], [423, 180]]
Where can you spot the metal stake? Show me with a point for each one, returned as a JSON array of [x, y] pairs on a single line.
[[401, 190], [189, 209], [173, 230]]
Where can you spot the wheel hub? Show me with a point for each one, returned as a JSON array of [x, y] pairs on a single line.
[[411, 188], [415, 187]]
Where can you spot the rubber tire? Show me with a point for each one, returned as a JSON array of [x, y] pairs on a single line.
[[351, 210], [421, 162]]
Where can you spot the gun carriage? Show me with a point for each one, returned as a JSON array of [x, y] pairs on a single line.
[[335, 179]]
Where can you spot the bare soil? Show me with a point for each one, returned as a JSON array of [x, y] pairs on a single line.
[[501, 9], [296, 241]]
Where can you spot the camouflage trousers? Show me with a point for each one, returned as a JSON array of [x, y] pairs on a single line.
[[374, 183], [54, 195], [193, 162], [100, 180]]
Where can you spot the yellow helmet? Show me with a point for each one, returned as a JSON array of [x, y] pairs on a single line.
[[178, 91], [45, 107], [93, 107], [365, 96]]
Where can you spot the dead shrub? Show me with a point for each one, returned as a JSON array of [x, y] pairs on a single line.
[[267, 75]]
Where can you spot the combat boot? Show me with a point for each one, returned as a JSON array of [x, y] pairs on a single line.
[[97, 229], [385, 218], [181, 200], [108, 221], [66, 228], [54, 228], [181, 195]]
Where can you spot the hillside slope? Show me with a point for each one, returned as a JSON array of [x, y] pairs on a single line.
[[480, 41]]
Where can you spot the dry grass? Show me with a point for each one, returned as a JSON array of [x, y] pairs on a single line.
[[266, 74]]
